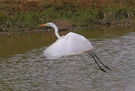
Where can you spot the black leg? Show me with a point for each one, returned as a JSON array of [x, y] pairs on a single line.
[[99, 60], [96, 62]]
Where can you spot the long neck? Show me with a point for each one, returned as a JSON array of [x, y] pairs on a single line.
[[56, 31]]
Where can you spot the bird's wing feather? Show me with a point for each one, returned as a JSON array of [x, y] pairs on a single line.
[[71, 44]]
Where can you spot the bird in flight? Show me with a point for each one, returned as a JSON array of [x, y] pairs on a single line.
[[70, 44]]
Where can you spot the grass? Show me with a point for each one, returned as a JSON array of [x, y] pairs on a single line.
[[23, 15]]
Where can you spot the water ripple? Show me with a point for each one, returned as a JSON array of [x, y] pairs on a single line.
[[33, 72]]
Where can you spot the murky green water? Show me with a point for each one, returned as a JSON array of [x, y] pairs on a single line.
[[24, 68]]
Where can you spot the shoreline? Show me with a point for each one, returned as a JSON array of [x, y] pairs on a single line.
[[25, 15], [94, 26]]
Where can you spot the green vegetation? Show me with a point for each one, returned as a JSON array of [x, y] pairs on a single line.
[[22, 15]]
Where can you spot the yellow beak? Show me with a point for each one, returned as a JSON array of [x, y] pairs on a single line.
[[42, 25]]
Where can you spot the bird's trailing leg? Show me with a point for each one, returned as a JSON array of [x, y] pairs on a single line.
[[94, 56], [100, 60]]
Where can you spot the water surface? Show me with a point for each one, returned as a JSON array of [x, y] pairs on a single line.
[[24, 68]]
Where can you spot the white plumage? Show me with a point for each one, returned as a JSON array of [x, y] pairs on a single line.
[[70, 44]]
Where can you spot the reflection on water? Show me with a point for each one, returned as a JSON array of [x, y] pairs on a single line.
[[31, 71], [21, 43]]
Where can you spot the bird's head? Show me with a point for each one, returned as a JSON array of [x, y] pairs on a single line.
[[47, 24]]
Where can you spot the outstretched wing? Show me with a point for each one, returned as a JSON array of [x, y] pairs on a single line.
[[71, 44]]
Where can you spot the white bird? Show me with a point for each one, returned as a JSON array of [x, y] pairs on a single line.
[[69, 44]]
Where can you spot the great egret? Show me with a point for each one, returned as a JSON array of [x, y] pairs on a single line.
[[70, 44]]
